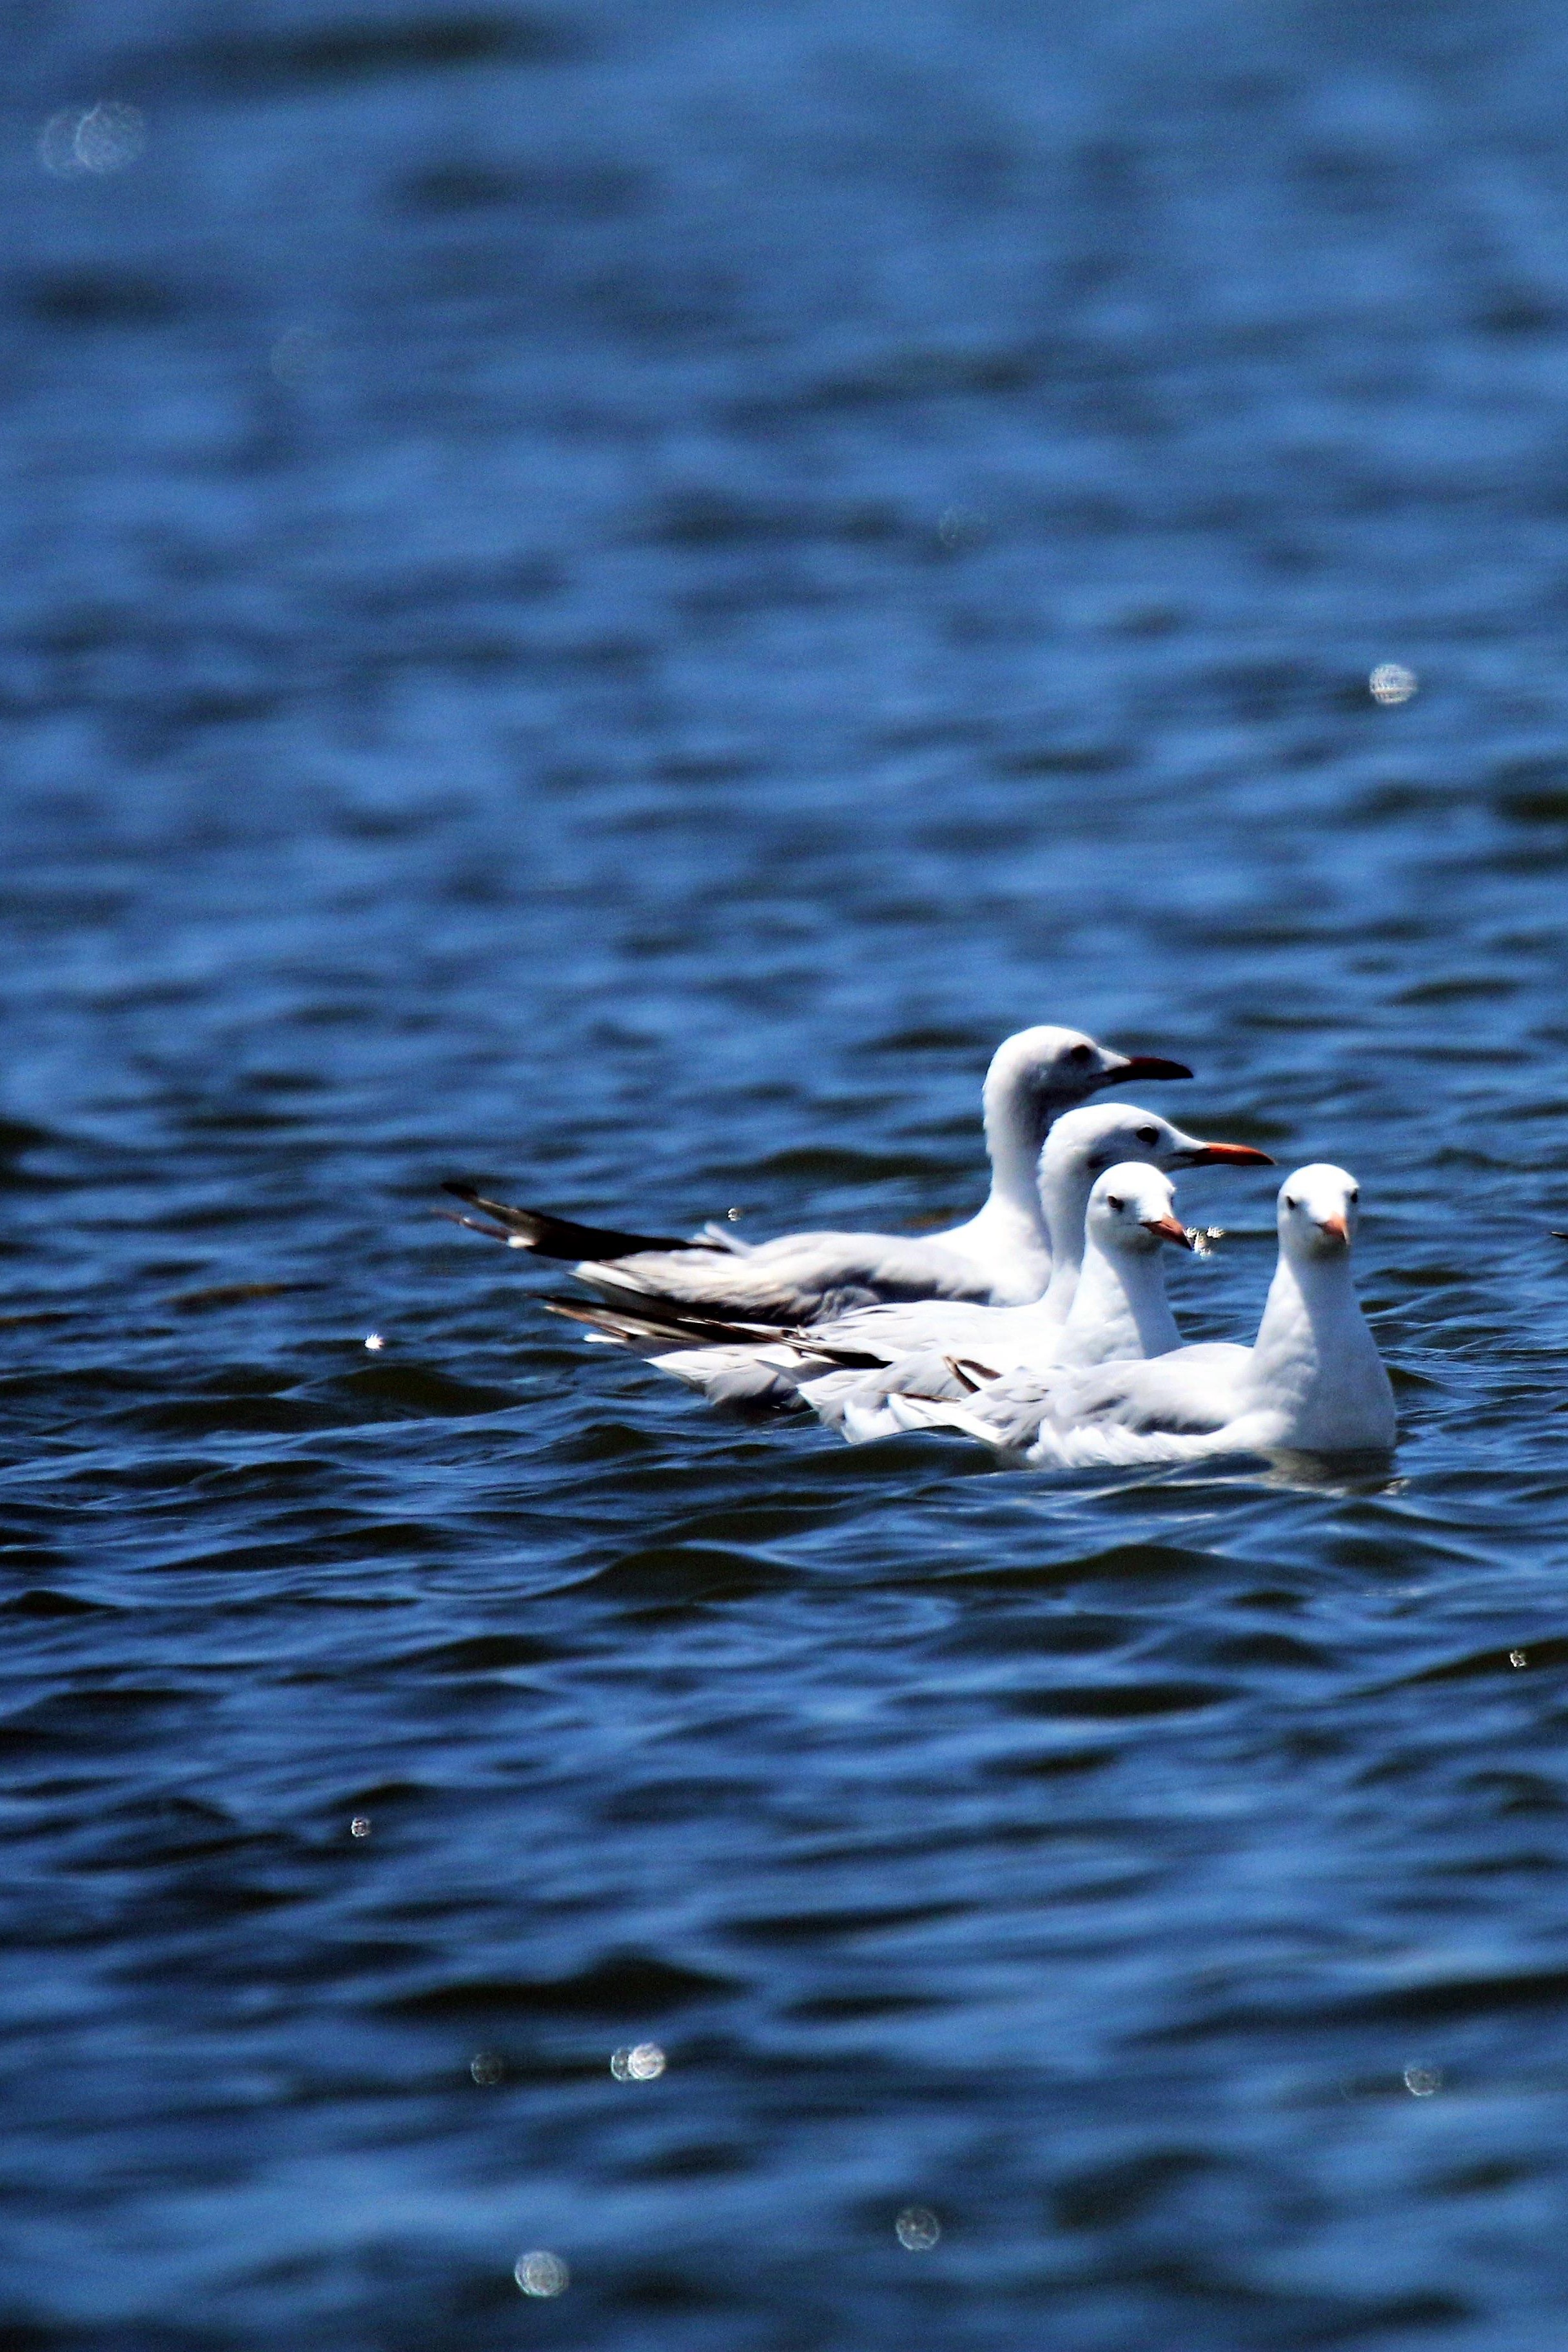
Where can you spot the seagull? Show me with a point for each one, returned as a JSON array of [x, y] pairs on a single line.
[[1000, 1258], [755, 1364], [1119, 1312], [1311, 1382]]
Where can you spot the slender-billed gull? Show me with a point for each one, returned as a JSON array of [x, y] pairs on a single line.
[[999, 1257]]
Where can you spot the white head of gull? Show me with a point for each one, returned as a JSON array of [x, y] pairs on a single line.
[[1035, 1079], [1120, 1308], [1081, 1146]]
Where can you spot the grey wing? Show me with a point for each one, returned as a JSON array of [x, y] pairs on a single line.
[[801, 1279], [1191, 1391]]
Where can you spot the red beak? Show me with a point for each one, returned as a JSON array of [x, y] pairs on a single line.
[[1233, 1155], [1170, 1229], [1337, 1227]]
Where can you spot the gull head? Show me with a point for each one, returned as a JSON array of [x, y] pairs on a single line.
[[1131, 1209], [1318, 1207], [1045, 1070], [1088, 1142]]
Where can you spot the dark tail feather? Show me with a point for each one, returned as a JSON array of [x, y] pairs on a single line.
[[550, 1236], [670, 1332], [644, 1320], [969, 1374]]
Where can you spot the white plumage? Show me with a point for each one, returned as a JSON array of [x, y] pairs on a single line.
[[1311, 1382]]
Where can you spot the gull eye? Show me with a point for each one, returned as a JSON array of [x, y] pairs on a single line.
[[1112, 1202], [1082, 1053], [1291, 1202], [1148, 1135], [1354, 1192]]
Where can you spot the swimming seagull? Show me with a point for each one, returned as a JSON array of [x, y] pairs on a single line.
[[753, 1364], [1119, 1312], [1000, 1258], [1311, 1382]]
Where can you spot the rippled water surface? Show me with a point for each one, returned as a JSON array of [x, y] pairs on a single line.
[[606, 596]]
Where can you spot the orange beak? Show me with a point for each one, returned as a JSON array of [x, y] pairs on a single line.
[[1233, 1155], [1336, 1228], [1169, 1230]]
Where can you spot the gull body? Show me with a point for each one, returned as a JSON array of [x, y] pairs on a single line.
[[1000, 1258]]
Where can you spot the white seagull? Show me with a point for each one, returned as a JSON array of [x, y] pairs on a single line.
[[1120, 1313], [1311, 1382], [753, 1364], [1001, 1257]]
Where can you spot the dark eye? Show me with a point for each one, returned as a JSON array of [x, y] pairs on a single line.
[[1112, 1202], [1082, 1053], [1291, 1202], [1148, 1135], [1355, 1194]]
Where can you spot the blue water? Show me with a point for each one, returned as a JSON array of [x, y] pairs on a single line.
[[605, 596]]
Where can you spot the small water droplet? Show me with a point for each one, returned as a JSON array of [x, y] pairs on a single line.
[[360, 1826], [734, 1215], [375, 1342], [640, 2062], [917, 2228], [487, 2066], [1519, 1657], [542, 2272], [1392, 683], [1422, 2081]]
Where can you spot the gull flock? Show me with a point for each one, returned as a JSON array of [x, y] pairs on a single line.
[[1040, 1328]]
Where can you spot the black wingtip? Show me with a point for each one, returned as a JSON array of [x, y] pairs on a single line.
[[548, 1235], [473, 1226]]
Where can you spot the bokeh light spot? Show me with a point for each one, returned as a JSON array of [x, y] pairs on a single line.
[[98, 139], [640, 2062], [1391, 683], [542, 2272], [917, 2228]]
